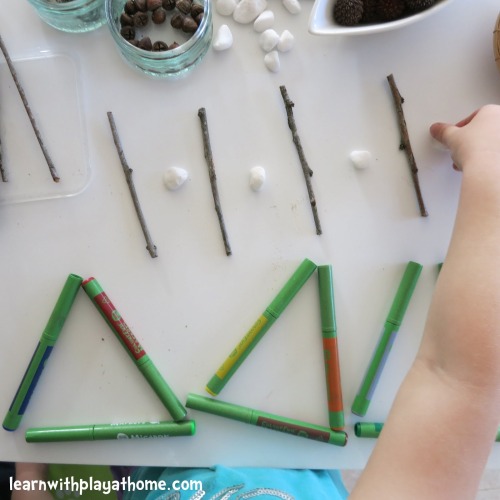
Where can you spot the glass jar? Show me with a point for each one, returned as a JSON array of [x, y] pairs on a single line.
[[74, 16], [181, 51]]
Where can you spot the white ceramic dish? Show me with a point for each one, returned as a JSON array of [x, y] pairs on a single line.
[[321, 21]]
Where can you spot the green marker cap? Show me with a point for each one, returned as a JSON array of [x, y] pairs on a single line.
[[292, 287], [368, 429], [328, 323], [404, 293]]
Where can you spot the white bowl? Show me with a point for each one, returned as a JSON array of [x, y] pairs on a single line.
[[321, 21]]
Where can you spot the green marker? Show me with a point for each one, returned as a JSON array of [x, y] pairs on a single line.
[[143, 362], [330, 348], [110, 431], [391, 327], [368, 429], [41, 355], [260, 327], [267, 420]]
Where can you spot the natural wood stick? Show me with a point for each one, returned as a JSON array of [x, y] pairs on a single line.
[[405, 143], [48, 159], [305, 166], [213, 178], [151, 247]]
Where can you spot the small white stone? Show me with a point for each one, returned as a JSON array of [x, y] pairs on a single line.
[[272, 61], [247, 11], [292, 6], [225, 7], [268, 40], [286, 41], [264, 21], [174, 178], [223, 38], [257, 178], [361, 159]]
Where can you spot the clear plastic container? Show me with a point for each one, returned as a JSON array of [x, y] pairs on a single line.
[[170, 63], [74, 16]]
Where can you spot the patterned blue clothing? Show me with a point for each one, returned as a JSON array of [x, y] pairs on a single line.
[[223, 483]]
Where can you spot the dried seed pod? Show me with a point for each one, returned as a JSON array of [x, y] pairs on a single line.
[[145, 43], [168, 4], [199, 18], [189, 25], [134, 42], [126, 20], [141, 5], [176, 21], [173, 45], [130, 8], [128, 32], [196, 10], [153, 4], [183, 6], [159, 46], [140, 19], [159, 15]]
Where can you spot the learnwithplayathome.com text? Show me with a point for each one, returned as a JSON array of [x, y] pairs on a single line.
[[79, 486]]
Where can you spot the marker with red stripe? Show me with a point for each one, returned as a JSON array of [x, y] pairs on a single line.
[[136, 351]]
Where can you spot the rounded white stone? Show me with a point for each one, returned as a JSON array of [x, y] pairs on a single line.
[[272, 61], [286, 41], [292, 6], [361, 159], [174, 178], [223, 39], [268, 40], [257, 178], [247, 11], [264, 21], [225, 7]]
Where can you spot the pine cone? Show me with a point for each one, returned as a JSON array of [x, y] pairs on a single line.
[[388, 10], [419, 4], [348, 12]]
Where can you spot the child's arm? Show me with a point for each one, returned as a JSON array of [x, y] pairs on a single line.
[[442, 425], [34, 473]]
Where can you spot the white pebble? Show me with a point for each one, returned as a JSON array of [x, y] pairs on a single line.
[[247, 11], [223, 38], [292, 6], [174, 178], [257, 178], [361, 159], [225, 7], [264, 21], [268, 40], [272, 61], [286, 41]]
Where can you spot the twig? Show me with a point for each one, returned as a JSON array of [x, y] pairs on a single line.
[[405, 143], [213, 179], [305, 167], [151, 247], [48, 159], [3, 173]]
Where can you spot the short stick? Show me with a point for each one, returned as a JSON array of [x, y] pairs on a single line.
[[213, 178], [151, 247]]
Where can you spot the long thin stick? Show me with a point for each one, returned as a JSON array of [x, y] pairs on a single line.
[[3, 173], [405, 143], [48, 159], [213, 179], [128, 176], [305, 166]]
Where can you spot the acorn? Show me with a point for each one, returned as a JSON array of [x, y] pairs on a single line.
[[348, 12], [388, 10], [419, 4]]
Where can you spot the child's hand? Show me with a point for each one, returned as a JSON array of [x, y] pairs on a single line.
[[475, 139]]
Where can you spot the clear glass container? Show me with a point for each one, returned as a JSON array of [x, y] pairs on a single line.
[[74, 16], [173, 62]]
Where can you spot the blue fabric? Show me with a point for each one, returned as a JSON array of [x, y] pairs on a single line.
[[223, 483]]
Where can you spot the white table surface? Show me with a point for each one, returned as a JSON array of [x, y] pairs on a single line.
[[191, 305]]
